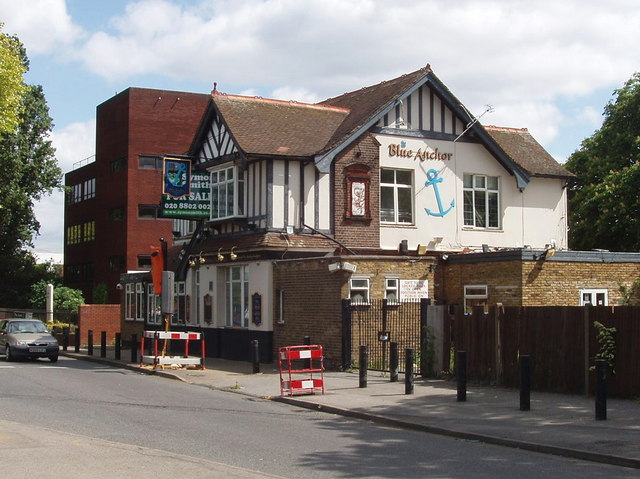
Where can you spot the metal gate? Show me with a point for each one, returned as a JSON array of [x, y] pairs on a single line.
[[379, 323]]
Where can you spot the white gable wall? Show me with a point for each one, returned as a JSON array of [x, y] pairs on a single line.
[[534, 217]]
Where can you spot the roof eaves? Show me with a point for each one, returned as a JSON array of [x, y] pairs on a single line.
[[522, 176], [324, 159]]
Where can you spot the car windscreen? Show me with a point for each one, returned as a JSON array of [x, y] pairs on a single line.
[[26, 327]]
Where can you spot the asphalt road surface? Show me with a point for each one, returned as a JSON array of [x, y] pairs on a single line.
[[81, 419]]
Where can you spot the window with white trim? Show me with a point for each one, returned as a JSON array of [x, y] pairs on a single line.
[[228, 193], [475, 295], [129, 302], [154, 315], [481, 201], [181, 304], [392, 290], [140, 296], [396, 196], [359, 290], [237, 296], [594, 297]]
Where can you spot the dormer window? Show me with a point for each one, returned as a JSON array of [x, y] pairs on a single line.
[[228, 193]]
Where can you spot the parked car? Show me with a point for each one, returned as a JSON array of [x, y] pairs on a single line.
[[27, 338]]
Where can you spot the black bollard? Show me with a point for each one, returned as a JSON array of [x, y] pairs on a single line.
[[77, 341], [364, 366], [601, 389], [461, 366], [408, 371], [394, 359], [90, 342], [306, 341], [103, 344], [525, 383], [118, 345], [65, 338], [255, 356], [134, 348]]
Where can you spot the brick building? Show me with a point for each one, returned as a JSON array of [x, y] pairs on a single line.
[[111, 210], [392, 191]]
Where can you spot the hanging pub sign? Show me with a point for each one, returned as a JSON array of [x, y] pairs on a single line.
[[184, 194]]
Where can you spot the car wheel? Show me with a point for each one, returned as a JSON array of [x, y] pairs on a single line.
[[53, 359], [7, 353]]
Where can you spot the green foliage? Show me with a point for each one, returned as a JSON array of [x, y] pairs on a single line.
[[630, 294], [12, 88], [100, 294], [17, 274], [64, 298], [603, 199], [29, 172], [607, 342]]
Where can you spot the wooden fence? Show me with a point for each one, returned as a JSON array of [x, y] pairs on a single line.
[[561, 341]]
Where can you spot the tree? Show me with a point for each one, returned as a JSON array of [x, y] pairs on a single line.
[[12, 88], [64, 299], [28, 172], [604, 201]]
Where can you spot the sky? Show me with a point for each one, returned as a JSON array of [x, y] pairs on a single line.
[[550, 66]]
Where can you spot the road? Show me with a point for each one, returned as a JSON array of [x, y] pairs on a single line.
[[112, 421]]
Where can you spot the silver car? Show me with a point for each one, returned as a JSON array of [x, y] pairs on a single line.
[[27, 338]]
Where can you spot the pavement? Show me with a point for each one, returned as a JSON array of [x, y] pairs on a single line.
[[558, 424]]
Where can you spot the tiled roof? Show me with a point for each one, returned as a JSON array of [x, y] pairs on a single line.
[[273, 127], [524, 150], [363, 104]]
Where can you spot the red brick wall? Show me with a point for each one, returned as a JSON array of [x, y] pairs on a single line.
[[98, 318], [358, 233], [135, 121]]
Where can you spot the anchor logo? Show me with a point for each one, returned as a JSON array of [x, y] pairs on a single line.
[[434, 179]]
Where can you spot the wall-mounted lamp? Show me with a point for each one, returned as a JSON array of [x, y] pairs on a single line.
[[192, 262], [201, 258], [220, 258], [232, 255]]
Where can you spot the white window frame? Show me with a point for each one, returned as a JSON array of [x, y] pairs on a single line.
[[140, 302], [154, 313], [390, 287], [180, 299], [364, 286], [226, 191], [490, 222], [129, 302], [241, 282], [472, 297], [593, 293], [396, 189]]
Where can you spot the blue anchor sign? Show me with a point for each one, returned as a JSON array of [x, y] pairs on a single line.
[[434, 179]]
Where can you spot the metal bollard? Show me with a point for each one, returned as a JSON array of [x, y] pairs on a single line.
[[103, 344], [77, 341], [408, 371], [364, 366], [90, 342], [525, 383], [134, 348], [306, 341], [255, 356], [394, 359], [601, 389], [461, 366], [118, 345], [65, 338]]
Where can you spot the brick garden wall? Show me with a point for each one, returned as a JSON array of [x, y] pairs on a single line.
[[537, 283], [98, 318]]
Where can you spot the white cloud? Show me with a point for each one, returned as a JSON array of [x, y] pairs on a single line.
[[74, 143], [504, 53], [43, 26]]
